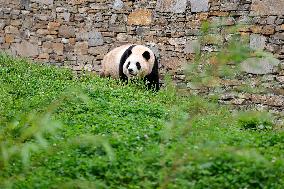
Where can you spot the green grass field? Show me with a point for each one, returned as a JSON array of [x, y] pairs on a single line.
[[57, 131]]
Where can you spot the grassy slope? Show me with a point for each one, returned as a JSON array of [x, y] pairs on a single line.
[[157, 140]]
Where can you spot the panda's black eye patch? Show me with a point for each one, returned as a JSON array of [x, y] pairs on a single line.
[[127, 65], [138, 65], [146, 55]]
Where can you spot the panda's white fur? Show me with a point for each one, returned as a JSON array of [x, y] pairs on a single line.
[[131, 61], [111, 61]]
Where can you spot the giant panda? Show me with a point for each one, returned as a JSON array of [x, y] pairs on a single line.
[[132, 61]]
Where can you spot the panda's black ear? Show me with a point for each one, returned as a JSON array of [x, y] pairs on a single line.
[[146, 55]]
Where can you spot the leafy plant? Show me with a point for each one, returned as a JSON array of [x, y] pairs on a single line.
[[255, 120]]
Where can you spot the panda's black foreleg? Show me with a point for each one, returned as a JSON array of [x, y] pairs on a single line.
[[123, 80], [152, 82], [153, 78], [155, 85]]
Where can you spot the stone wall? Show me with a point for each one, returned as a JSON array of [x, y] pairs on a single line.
[[78, 33]]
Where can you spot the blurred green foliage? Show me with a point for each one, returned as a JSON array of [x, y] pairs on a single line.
[[57, 131], [228, 49]]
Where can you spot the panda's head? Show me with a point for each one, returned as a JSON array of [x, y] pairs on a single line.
[[139, 62]]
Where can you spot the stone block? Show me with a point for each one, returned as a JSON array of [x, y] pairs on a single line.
[[222, 21], [47, 47], [219, 13], [72, 41], [101, 50], [52, 26], [122, 37], [2, 24], [192, 46], [77, 2], [244, 20], [45, 2], [117, 5], [271, 20], [60, 9], [270, 100], [140, 17], [199, 5], [202, 16], [280, 28], [65, 41], [85, 58], [66, 16], [171, 63], [95, 38], [118, 28], [113, 19], [175, 6], [88, 67], [260, 65], [81, 48], [9, 38], [142, 31], [69, 48], [177, 41], [257, 42], [229, 6], [154, 47], [256, 29], [279, 21], [25, 4], [279, 36], [98, 6], [15, 13], [82, 35], [42, 32], [213, 39], [66, 31], [15, 22], [43, 17], [44, 56], [280, 79], [27, 23], [11, 30], [57, 48], [267, 7], [25, 49], [268, 30]]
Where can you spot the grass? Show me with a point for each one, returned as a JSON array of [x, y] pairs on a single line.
[[57, 131]]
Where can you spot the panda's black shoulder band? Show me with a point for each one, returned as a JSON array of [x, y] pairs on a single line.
[[124, 56], [153, 77]]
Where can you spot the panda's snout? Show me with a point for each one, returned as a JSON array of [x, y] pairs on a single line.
[[130, 70]]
